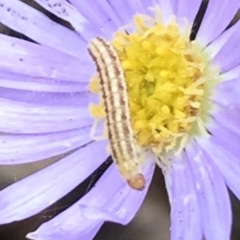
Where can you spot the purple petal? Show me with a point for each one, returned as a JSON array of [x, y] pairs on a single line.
[[111, 198], [32, 194], [18, 148], [234, 73], [28, 99], [31, 83], [187, 9], [117, 202], [66, 11], [27, 58], [23, 117], [25, 19], [212, 194], [227, 93], [223, 59], [226, 158], [214, 47], [168, 8], [185, 215], [137, 7], [78, 99], [228, 117], [216, 19], [224, 134], [131, 8], [124, 16], [226, 137], [99, 14], [70, 225]]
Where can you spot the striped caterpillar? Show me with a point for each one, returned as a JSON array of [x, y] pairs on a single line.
[[116, 105]]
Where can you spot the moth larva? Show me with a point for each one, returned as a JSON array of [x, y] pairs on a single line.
[[118, 119]]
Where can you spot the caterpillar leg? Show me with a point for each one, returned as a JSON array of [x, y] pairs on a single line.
[[98, 113], [142, 158], [93, 131], [108, 149], [141, 154]]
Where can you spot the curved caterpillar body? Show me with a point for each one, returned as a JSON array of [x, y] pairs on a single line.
[[118, 119]]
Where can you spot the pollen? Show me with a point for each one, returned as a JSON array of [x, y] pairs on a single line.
[[169, 80]]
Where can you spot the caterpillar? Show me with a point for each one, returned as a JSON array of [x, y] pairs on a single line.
[[116, 105]]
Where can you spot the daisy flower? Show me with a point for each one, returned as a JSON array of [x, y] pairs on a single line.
[[183, 92]]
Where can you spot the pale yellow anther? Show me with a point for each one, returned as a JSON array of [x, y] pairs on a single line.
[[198, 92], [135, 107], [127, 65], [169, 87], [157, 136], [140, 124], [165, 109], [140, 23], [146, 45], [180, 44], [173, 127], [195, 104], [150, 76], [97, 111], [144, 137], [94, 85], [166, 74], [190, 72], [181, 102], [179, 114], [183, 73], [162, 51], [164, 132]]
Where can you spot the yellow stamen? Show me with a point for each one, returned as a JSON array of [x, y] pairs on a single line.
[[94, 85], [169, 80]]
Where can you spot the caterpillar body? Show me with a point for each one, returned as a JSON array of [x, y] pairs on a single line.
[[118, 119]]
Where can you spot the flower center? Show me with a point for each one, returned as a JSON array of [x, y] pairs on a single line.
[[168, 79]]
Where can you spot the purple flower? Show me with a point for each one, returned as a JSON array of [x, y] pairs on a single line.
[[44, 112]]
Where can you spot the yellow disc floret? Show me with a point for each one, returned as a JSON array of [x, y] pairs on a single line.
[[168, 82]]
